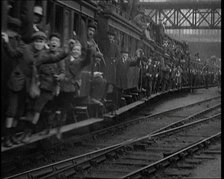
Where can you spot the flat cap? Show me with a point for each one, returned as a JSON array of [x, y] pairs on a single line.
[[14, 22], [38, 10], [55, 34], [39, 35], [92, 24]]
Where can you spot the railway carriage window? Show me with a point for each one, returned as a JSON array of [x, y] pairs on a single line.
[[66, 26], [58, 26], [122, 40], [49, 14], [76, 24], [14, 8], [83, 31]]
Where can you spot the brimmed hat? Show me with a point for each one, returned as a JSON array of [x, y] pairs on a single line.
[[92, 24], [39, 35], [124, 50], [38, 10], [111, 32], [13, 22]]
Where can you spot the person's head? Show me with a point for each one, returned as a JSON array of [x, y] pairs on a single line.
[[14, 24], [76, 48], [139, 52], [38, 14], [124, 55], [55, 41], [111, 36], [91, 30], [39, 40]]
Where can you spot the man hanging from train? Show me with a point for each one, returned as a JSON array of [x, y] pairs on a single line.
[[13, 82], [112, 54], [50, 76], [32, 17], [25, 74], [123, 65], [94, 85]]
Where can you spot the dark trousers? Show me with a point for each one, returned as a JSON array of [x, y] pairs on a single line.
[[16, 105]]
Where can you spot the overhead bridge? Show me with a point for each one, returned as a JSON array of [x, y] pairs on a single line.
[[191, 14]]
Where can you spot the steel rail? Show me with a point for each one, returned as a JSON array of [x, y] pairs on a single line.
[[183, 121], [133, 141], [170, 157], [71, 161]]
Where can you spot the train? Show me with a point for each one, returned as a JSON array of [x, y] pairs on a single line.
[[74, 16]]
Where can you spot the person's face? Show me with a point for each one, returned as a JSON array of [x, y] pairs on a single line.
[[76, 51], [36, 18], [39, 44], [55, 43], [111, 38], [124, 56], [91, 32]]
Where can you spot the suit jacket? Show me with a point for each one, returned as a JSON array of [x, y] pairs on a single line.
[[47, 72], [122, 69], [111, 59], [71, 83], [28, 58]]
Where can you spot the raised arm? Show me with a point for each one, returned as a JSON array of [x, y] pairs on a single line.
[[14, 52], [47, 58], [87, 58]]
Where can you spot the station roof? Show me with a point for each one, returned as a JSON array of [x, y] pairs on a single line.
[[163, 4]]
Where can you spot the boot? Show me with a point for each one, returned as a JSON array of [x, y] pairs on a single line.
[[13, 138], [7, 142], [28, 133], [60, 121]]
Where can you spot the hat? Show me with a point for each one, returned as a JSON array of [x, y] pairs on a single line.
[[92, 24], [38, 10], [124, 50], [13, 22], [111, 32], [55, 35], [39, 35]]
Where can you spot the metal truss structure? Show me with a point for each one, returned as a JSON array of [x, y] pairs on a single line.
[[185, 14]]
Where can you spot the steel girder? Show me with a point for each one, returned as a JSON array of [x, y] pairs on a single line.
[[189, 17]]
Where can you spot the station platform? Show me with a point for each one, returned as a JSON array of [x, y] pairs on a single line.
[[91, 124]]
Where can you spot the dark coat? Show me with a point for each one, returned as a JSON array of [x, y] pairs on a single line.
[[28, 58], [111, 58], [122, 69], [47, 72], [72, 71]]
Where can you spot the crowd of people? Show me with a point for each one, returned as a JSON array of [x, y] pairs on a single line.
[[42, 76]]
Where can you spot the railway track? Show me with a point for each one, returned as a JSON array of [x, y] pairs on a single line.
[[56, 167], [146, 154]]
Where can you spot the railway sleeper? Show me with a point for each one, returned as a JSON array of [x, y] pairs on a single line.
[[63, 165], [111, 155], [42, 173], [140, 146], [205, 157], [184, 166], [131, 162], [193, 161], [146, 154], [148, 172], [213, 152], [137, 157], [176, 172], [67, 174], [83, 166], [95, 162]]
